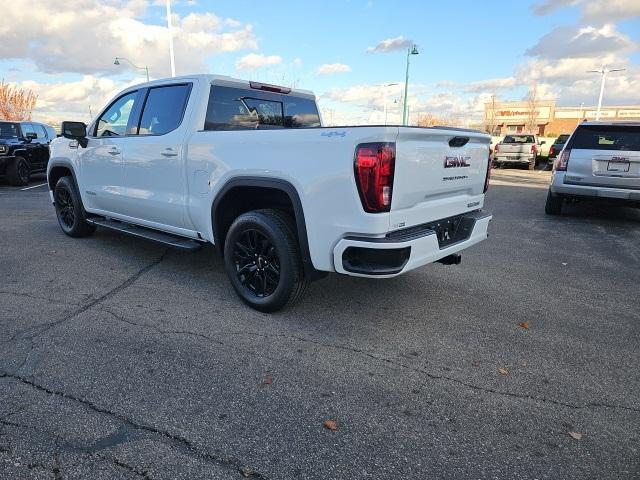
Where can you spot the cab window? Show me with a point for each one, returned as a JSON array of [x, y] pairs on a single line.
[[163, 109], [113, 122]]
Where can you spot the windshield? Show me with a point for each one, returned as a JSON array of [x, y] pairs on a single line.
[[9, 130], [519, 139]]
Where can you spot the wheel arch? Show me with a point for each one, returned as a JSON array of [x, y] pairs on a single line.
[[278, 187], [57, 170]]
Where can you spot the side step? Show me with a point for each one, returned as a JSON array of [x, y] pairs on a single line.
[[153, 235]]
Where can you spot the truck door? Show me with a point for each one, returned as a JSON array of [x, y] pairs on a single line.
[[154, 167], [101, 168]]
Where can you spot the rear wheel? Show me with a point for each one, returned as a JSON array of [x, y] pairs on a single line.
[[262, 259], [554, 204], [18, 172], [532, 164], [69, 210]]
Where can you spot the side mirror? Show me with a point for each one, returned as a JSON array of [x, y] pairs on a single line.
[[75, 131], [30, 136]]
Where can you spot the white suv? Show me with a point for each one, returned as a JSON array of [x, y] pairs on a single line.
[[601, 160]]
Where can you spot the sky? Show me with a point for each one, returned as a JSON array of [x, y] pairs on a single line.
[[346, 51]]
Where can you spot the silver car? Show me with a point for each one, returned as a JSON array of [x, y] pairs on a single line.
[[601, 160]]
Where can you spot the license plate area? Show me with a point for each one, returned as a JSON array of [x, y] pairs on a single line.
[[619, 165], [452, 230]]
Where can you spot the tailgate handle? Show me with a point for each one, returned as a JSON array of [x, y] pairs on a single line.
[[458, 141]]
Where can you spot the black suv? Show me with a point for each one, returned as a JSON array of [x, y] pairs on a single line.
[[24, 149]]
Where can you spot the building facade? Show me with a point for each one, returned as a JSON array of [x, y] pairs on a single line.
[[545, 118]]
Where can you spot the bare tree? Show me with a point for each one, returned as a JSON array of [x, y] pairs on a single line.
[[430, 120], [491, 121], [16, 103], [532, 109]]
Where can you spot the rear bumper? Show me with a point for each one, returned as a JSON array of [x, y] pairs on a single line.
[[558, 187], [514, 158], [399, 252]]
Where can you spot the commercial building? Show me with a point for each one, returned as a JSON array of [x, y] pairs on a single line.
[[545, 118]]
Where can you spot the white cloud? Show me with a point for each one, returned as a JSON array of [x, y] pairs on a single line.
[[594, 11], [84, 36], [391, 45], [329, 68], [73, 100], [254, 61], [574, 42], [491, 85]]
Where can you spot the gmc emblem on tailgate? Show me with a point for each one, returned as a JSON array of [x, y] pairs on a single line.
[[457, 161]]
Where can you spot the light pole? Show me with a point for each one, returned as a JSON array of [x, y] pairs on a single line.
[[603, 77], [410, 51], [116, 61], [170, 30], [385, 85]]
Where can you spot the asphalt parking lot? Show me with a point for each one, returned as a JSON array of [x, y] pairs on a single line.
[[121, 359]]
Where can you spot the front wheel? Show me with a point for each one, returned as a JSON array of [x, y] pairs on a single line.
[[262, 259], [69, 210], [18, 172]]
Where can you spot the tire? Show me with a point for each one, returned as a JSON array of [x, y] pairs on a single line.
[[262, 259], [18, 172], [554, 204], [532, 165], [69, 209]]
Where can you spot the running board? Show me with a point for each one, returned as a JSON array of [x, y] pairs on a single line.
[[153, 235]]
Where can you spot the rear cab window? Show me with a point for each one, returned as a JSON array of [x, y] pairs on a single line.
[[607, 137], [164, 109], [519, 139], [232, 108]]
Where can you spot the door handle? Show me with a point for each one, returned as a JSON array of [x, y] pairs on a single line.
[[114, 151], [169, 153]]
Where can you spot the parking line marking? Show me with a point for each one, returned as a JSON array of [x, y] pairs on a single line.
[[35, 186]]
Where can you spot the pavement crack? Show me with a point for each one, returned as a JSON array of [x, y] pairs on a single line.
[[446, 378], [37, 297], [41, 329], [180, 442], [130, 468]]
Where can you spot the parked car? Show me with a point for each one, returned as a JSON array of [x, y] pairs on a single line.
[[601, 160], [556, 147], [247, 166], [519, 149], [24, 150]]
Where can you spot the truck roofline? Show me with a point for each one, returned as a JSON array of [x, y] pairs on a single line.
[[217, 80]]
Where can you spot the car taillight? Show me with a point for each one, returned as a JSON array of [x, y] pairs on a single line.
[[534, 149], [488, 176], [552, 151], [563, 160], [495, 149], [374, 166]]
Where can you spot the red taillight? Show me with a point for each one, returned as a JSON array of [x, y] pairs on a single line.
[[563, 160], [374, 167], [534, 149], [495, 149], [269, 88], [552, 151], [488, 176]]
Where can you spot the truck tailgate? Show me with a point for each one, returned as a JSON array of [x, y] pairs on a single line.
[[439, 173]]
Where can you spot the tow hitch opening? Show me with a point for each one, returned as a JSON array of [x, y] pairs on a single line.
[[453, 259]]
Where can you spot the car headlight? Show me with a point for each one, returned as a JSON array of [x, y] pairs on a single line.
[[3, 149]]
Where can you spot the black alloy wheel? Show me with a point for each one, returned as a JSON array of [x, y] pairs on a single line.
[[69, 209], [257, 263], [263, 261], [65, 208]]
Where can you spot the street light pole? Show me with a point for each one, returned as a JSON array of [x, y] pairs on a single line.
[[116, 61], [603, 79], [410, 51], [170, 30]]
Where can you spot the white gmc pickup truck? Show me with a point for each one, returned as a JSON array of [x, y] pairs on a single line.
[[249, 168]]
